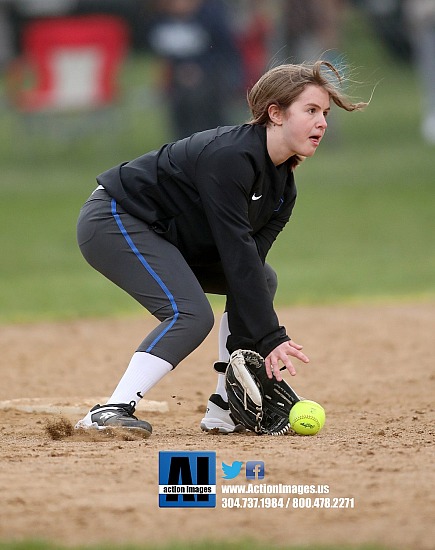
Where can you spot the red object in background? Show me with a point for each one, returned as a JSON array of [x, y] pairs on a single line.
[[253, 45], [72, 63]]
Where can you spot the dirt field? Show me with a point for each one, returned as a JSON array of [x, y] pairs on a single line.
[[371, 367]]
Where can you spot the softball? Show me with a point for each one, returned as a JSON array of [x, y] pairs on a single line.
[[307, 417]]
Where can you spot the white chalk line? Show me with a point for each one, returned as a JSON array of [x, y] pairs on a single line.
[[70, 405]]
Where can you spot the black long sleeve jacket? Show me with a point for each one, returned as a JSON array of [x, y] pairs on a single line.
[[218, 197]]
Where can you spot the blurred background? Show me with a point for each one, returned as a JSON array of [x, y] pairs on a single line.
[[86, 84]]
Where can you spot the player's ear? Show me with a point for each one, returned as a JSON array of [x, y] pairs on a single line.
[[275, 114]]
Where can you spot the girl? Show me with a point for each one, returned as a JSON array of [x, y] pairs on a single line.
[[199, 216]]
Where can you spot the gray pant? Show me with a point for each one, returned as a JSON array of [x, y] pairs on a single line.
[[153, 271]]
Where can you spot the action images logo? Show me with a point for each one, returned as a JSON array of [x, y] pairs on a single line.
[[187, 479]]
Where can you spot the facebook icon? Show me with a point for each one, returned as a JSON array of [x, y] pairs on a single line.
[[255, 469]]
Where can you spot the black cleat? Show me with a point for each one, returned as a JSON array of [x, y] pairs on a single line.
[[102, 417]]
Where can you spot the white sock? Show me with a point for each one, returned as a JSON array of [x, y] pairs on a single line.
[[220, 387], [143, 372], [224, 332]]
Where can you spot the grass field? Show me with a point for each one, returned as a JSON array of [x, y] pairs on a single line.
[[241, 545], [362, 228]]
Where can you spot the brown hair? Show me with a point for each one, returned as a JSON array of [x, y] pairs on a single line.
[[283, 84]]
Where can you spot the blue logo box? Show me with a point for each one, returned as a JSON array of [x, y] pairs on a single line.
[[187, 479]]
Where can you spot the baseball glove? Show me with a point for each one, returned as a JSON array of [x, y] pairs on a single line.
[[257, 402]]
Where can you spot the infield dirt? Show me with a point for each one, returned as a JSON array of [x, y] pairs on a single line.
[[372, 368]]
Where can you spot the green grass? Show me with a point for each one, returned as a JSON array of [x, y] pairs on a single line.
[[362, 229], [236, 545]]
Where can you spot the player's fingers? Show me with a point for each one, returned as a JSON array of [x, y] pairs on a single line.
[[294, 345], [269, 369], [272, 366], [289, 366], [298, 354], [286, 361], [277, 372]]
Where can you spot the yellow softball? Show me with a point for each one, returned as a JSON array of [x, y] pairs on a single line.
[[307, 417]]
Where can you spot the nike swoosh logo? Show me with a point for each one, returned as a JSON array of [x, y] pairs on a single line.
[[255, 198]]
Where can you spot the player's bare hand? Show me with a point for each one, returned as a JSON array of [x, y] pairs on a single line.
[[281, 355]]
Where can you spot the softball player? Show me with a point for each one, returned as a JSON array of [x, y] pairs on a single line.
[[199, 216]]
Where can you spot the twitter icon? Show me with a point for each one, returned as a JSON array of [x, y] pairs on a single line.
[[231, 471]]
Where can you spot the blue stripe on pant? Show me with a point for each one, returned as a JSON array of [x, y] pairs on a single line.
[[150, 271]]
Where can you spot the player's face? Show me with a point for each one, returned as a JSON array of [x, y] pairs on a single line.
[[304, 122]]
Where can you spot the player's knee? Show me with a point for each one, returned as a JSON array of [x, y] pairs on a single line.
[[201, 321], [192, 322]]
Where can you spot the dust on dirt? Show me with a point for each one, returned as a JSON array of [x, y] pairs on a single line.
[[61, 428], [372, 368]]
